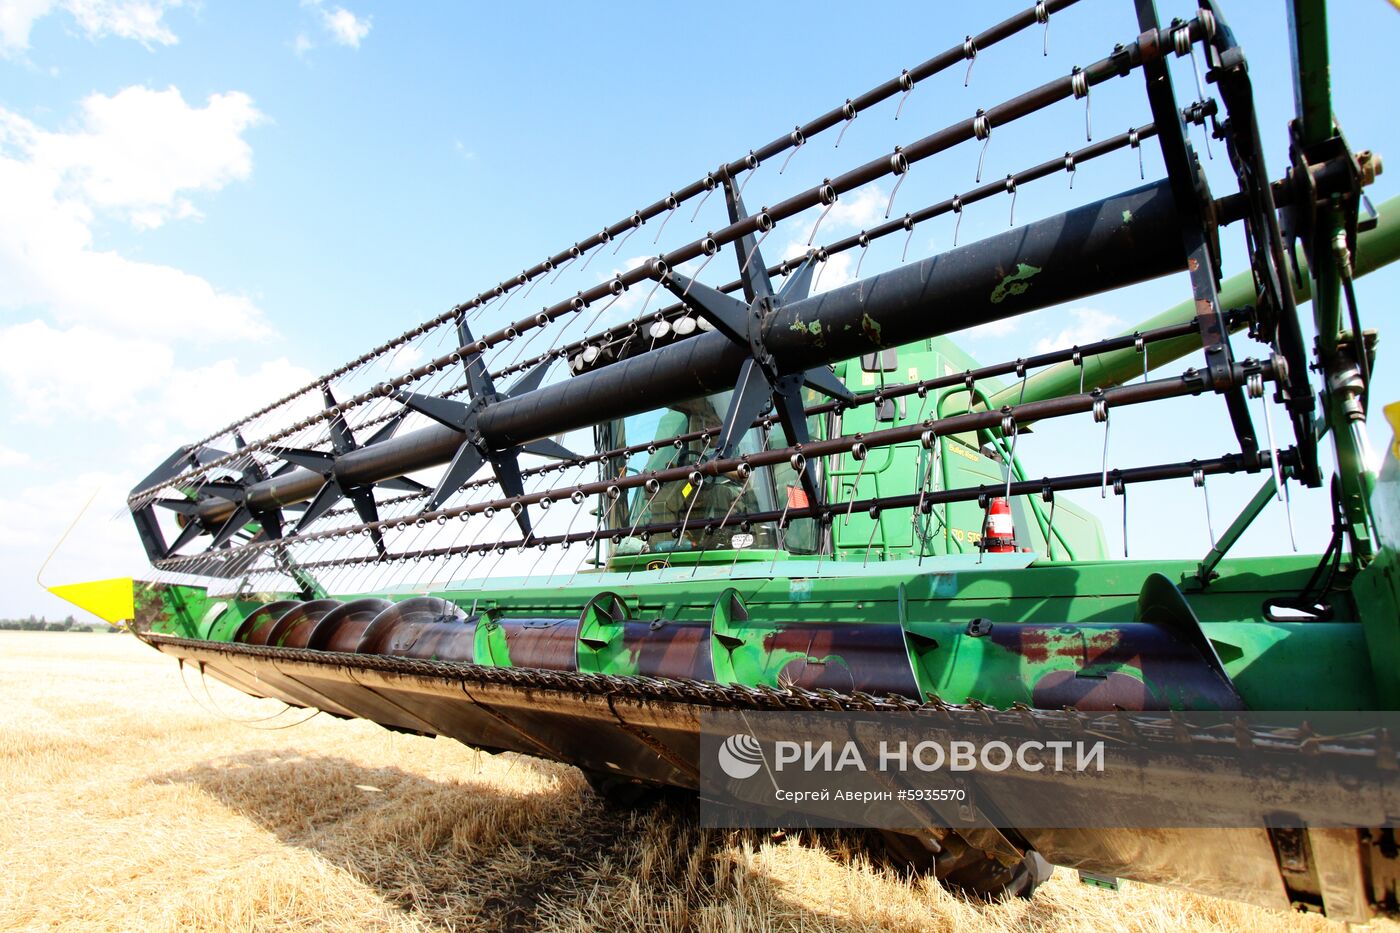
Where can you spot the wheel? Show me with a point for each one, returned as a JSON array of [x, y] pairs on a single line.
[[991, 880], [956, 864], [622, 793]]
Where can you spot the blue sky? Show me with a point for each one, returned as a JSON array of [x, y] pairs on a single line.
[[210, 203]]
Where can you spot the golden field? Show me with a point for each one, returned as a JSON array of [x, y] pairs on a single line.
[[129, 802]]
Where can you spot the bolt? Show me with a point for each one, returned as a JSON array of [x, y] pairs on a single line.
[[1370, 164]]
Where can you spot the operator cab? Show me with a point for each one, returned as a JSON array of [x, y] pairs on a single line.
[[681, 522]]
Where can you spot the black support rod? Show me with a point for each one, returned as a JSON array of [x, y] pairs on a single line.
[[924, 502], [1121, 240], [1116, 397]]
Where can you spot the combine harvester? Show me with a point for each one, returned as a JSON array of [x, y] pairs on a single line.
[[572, 531]]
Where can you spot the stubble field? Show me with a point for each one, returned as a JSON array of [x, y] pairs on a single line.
[[129, 802]]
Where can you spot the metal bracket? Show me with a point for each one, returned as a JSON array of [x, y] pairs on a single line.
[[761, 385], [1205, 572], [1198, 228], [334, 487], [464, 417], [1276, 311]]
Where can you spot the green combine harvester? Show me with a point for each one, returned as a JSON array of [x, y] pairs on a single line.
[[573, 541]]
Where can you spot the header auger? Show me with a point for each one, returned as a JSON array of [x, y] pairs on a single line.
[[769, 496]]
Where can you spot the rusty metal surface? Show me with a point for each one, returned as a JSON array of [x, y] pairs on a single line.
[[1167, 662], [342, 628], [1103, 663], [294, 629], [675, 702], [846, 658], [433, 641], [424, 627], [545, 644], [669, 649], [259, 624]]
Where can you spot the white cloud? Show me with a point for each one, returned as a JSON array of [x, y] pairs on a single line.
[[220, 392], [858, 210], [344, 27], [141, 20], [127, 19], [82, 374], [853, 212], [107, 360], [31, 527], [1001, 328], [138, 156], [17, 17], [1088, 325], [50, 373], [138, 149]]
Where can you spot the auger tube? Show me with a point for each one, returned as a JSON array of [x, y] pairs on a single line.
[[1130, 238], [1376, 247]]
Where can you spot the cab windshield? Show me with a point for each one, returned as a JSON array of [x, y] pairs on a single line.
[[698, 512]]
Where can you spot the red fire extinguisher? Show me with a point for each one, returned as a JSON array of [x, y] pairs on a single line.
[[999, 530]]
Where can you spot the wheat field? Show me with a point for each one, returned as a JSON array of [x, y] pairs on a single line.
[[131, 801]]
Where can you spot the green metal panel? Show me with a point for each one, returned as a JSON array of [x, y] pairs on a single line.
[[1312, 77], [957, 461], [1308, 665]]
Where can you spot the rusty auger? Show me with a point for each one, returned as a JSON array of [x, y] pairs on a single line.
[[769, 495]]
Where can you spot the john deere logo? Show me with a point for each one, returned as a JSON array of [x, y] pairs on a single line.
[[740, 756], [657, 564]]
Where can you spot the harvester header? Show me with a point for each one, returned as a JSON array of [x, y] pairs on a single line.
[[606, 501]]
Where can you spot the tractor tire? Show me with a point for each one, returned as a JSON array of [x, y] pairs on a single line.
[[956, 864], [620, 793], [990, 880]]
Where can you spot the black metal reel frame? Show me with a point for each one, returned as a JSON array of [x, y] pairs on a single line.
[[474, 451], [840, 116], [578, 406], [1276, 313], [1275, 318], [1039, 13], [607, 455], [923, 503], [342, 441], [1198, 226], [762, 384], [882, 396], [1193, 382], [1121, 61]]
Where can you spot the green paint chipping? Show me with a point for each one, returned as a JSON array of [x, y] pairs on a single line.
[[814, 328], [1014, 284], [871, 328]]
